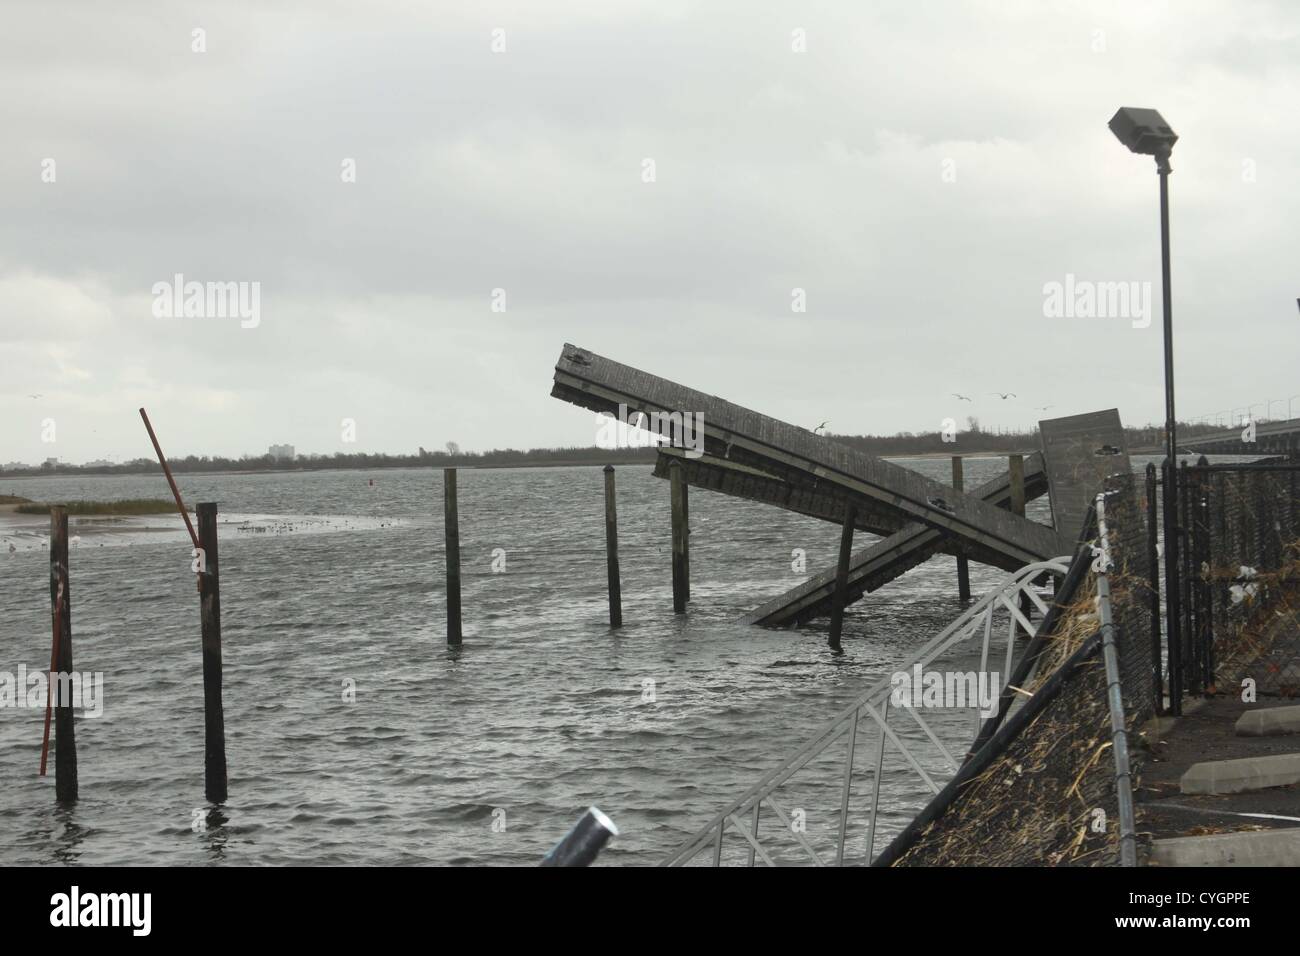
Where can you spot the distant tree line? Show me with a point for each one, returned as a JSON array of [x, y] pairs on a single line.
[[1009, 441], [901, 444], [497, 458]]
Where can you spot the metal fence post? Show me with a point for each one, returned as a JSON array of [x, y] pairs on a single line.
[[1153, 558], [1173, 643]]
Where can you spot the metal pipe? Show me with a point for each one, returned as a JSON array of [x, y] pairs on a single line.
[[875, 785], [162, 460], [848, 783], [1114, 696], [581, 844], [1171, 447]]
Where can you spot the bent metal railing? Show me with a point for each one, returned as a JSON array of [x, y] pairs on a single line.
[[742, 815]]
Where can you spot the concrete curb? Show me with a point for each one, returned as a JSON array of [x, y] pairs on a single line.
[[1247, 848], [1269, 722], [1246, 773]]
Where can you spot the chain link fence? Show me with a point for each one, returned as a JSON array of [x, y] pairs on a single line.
[[1042, 791], [1240, 577]]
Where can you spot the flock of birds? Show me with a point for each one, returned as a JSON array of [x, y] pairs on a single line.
[[965, 398], [1002, 395]]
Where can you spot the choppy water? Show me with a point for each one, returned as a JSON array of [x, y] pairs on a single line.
[[542, 712]]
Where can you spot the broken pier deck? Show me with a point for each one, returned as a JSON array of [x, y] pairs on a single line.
[[796, 456]]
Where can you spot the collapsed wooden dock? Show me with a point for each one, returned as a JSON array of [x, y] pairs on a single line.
[[739, 452], [895, 555], [796, 455]]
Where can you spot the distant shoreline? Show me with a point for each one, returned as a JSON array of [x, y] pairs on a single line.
[[477, 466]]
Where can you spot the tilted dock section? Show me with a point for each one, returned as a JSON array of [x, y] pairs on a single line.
[[797, 456], [1080, 452], [814, 499], [883, 561]]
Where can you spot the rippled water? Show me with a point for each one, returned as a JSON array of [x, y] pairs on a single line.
[[540, 713]]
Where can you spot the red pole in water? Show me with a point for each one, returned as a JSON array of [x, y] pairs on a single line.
[[54, 667], [162, 460]]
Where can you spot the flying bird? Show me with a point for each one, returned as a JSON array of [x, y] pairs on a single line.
[[820, 427], [1043, 408], [34, 396], [1004, 395], [962, 397]]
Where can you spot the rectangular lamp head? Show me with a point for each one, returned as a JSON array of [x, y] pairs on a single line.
[[1143, 131]]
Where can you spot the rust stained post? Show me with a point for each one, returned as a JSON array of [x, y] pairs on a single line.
[[60, 687], [162, 460]]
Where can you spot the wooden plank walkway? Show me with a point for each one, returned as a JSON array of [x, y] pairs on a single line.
[[882, 562], [795, 454]]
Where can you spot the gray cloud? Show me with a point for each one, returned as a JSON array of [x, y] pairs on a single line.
[[522, 170]]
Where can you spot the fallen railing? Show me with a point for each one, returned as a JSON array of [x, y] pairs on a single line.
[[741, 817]]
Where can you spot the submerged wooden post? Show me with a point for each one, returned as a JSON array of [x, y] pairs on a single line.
[[686, 539], [963, 566], [842, 577], [214, 721], [451, 527], [60, 690], [1016, 465], [611, 551], [677, 493]]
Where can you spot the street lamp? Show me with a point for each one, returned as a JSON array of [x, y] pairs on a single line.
[[1145, 132]]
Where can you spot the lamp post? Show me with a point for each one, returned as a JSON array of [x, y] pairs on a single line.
[[1145, 131]]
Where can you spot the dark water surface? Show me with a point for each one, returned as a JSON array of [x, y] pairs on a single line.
[[485, 754]]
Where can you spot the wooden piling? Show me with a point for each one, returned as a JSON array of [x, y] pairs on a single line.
[[214, 721], [686, 539], [1016, 465], [611, 551], [677, 492], [842, 577], [451, 527], [963, 565], [60, 691]]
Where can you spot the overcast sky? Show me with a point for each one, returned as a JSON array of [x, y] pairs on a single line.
[[920, 170]]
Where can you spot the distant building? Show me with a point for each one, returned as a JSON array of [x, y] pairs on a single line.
[[98, 463], [281, 452], [51, 463]]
